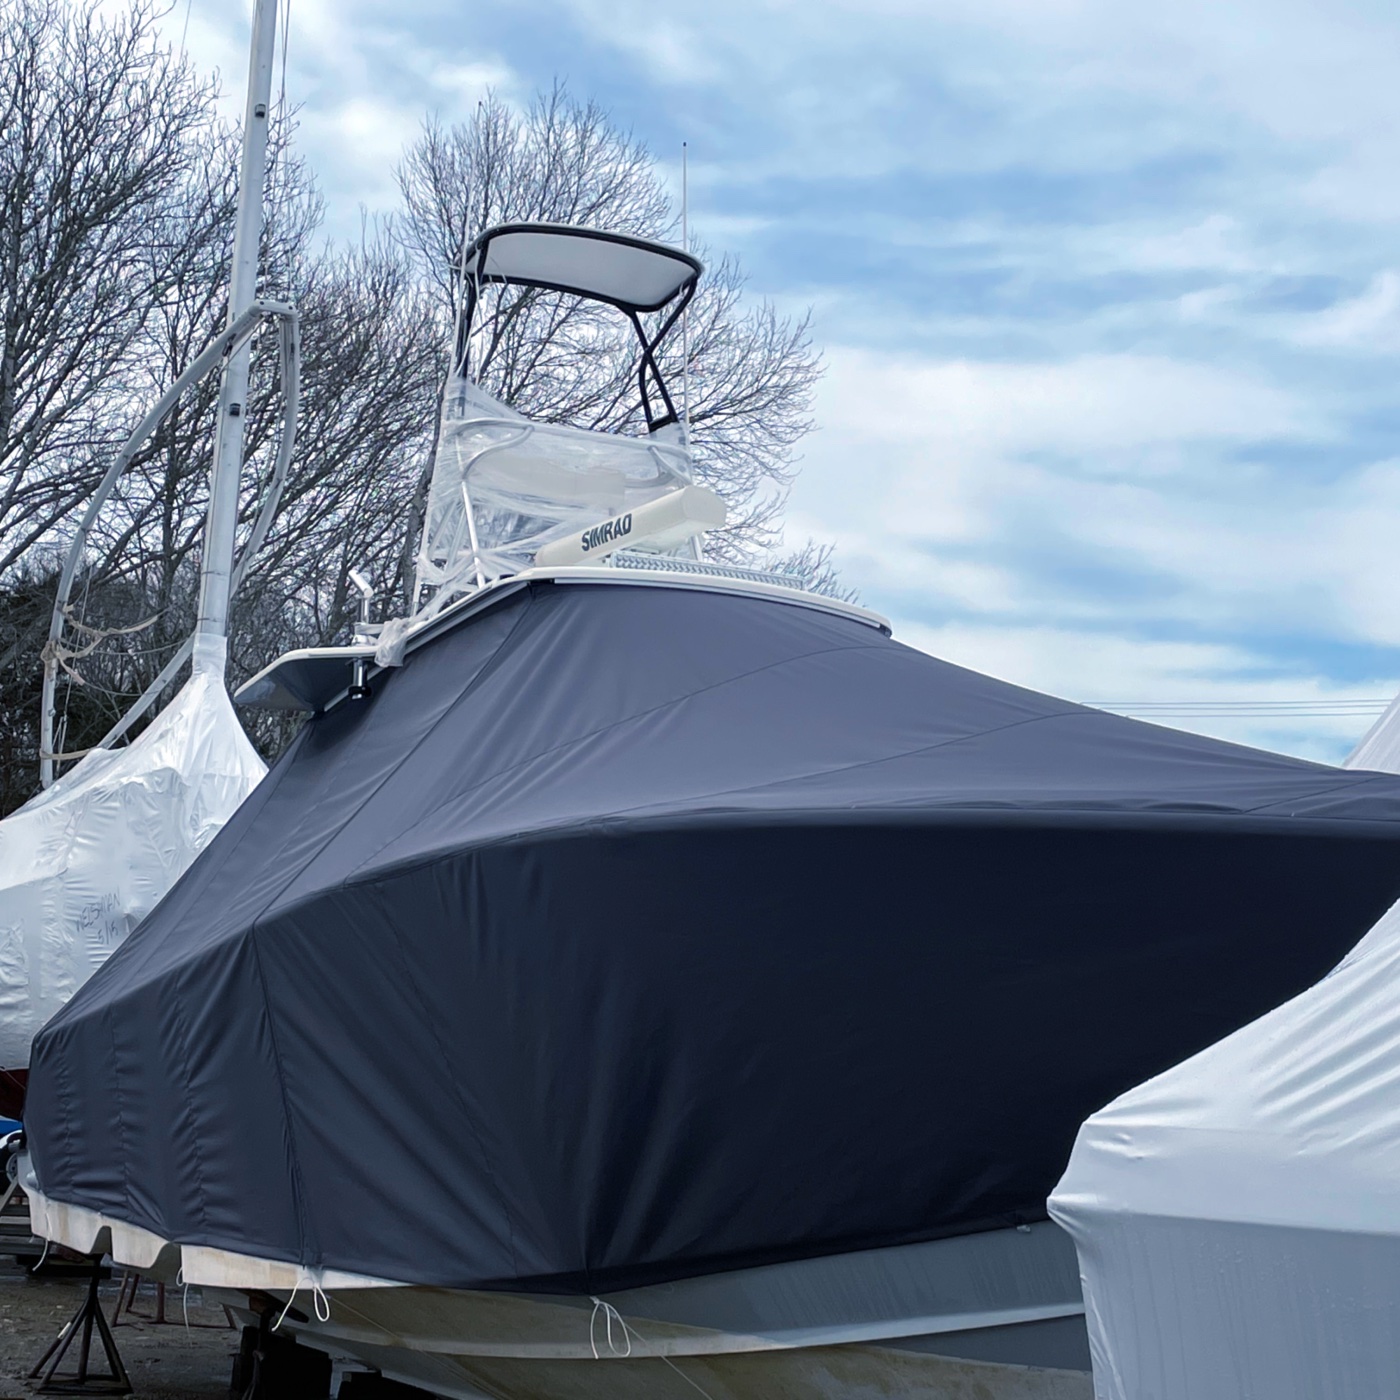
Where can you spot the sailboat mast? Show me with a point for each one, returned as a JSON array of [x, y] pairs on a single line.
[[216, 570]]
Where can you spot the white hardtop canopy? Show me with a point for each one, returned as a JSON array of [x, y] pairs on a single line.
[[634, 274]]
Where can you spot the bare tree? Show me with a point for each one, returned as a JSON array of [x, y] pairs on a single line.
[[370, 365], [99, 128], [752, 370], [116, 277], [117, 192]]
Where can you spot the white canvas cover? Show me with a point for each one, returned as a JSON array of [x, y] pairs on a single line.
[[82, 863], [1238, 1217], [528, 483]]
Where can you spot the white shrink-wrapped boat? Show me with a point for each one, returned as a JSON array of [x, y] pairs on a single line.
[[82, 863], [1237, 1218]]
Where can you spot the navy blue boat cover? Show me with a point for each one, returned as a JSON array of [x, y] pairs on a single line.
[[633, 932]]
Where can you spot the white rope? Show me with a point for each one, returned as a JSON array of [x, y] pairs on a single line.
[[55, 651], [184, 1293], [609, 1312], [102, 633], [628, 1332], [282, 1317], [319, 1301]]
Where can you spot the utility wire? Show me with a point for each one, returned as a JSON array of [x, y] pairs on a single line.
[[1300, 708]]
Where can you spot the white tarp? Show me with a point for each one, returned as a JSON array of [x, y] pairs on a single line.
[[1238, 1217], [83, 862]]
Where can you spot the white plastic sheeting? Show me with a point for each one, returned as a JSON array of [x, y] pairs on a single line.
[[83, 862], [1238, 1217], [526, 484]]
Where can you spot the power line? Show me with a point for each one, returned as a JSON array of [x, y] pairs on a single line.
[[1358, 707]]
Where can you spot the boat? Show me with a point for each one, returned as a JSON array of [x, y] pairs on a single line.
[[84, 861], [1250, 1193], [643, 976], [90, 855]]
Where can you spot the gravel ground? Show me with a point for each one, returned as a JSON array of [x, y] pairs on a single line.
[[165, 1363]]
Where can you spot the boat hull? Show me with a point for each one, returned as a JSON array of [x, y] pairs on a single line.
[[992, 1316], [849, 1372]]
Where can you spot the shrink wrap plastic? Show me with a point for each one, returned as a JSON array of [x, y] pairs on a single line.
[[82, 863], [1238, 1217]]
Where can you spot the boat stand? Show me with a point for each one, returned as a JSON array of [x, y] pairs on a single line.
[[88, 1316], [126, 1302]]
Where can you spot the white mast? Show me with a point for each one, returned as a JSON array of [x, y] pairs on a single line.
[[216, 570], [685, 315]]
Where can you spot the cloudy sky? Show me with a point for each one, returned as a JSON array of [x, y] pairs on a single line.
[[1108, 294]]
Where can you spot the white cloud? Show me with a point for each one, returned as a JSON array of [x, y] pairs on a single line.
[[467, 81], [363, 78], [1096, 403], [947, 482], [376, 131], [952, 450], [1061, 84], [1368, 322]]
